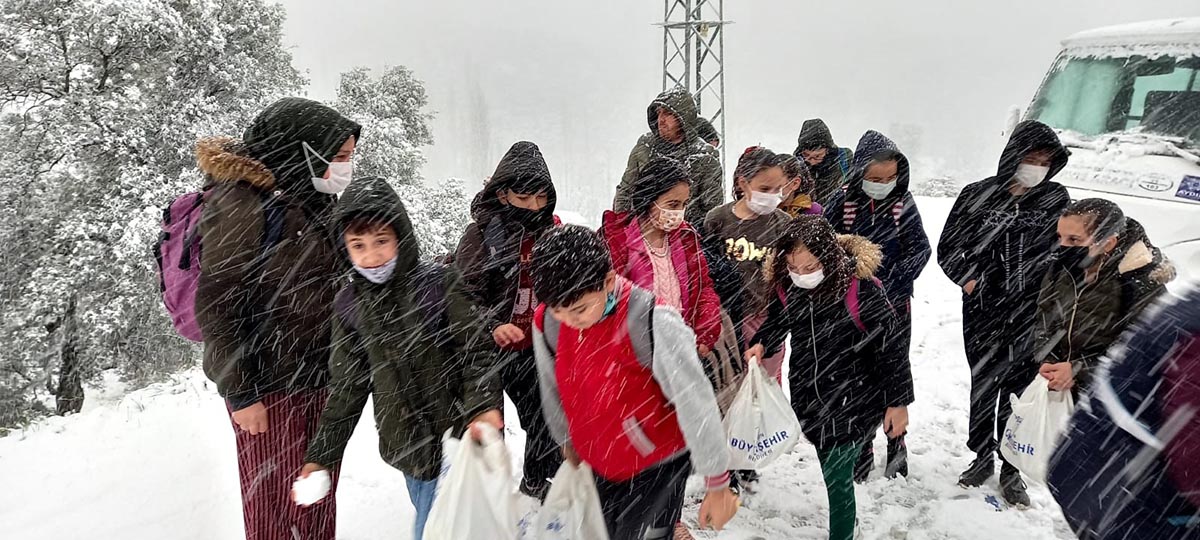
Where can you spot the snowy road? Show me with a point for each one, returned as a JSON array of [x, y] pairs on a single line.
[[159, 463]]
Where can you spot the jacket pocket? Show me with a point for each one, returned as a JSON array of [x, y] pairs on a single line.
[[637, 437]]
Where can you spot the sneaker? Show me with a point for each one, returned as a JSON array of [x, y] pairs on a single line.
[[866, 462], [979, 472], [535, 490], [1012, 487], [897, 458]]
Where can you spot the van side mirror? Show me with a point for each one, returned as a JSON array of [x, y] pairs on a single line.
[[1011, 120]]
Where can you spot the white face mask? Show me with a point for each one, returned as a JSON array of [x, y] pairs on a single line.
[[379, 274], [1031, 175], [878, 191], [807, 281], [764, 203], [340, 173], [668, 220]]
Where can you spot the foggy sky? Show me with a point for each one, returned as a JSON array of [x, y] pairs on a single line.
[[576, 77]]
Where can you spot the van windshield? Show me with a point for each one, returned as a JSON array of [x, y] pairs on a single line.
[[1093, 96]]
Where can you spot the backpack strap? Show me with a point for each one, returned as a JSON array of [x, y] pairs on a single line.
[[274, 208], [550, 330], [640, 322], [853, 306], [430, 294], [343, 306]]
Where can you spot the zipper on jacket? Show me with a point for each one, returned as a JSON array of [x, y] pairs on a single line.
[[812, 336]]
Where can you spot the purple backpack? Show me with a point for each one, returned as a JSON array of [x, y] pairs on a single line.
[[178, 255]]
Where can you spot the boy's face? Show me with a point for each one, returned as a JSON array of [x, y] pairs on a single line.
[[373, 248], [1040, 158], [815, 156], [588, 310], [770, 181], [668, 126], [529, 201]]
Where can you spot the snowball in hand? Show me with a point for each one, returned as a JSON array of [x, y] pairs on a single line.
[[310, 489]]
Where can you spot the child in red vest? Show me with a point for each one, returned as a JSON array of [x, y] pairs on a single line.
[[623, 390]]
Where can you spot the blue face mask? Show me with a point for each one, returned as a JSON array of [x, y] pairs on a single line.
[[610, 303]]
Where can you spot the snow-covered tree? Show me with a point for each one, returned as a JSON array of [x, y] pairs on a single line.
[[391, 110], [439, 214], [101, 103]]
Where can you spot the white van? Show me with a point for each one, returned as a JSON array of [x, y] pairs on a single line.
[[1126, 101]]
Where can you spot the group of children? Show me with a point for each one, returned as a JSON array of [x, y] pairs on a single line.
[[606, 341], [600, 338]]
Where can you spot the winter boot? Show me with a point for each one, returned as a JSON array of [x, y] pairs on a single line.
[[897, 458], [866, 462], [979, 472], [1012, 488]]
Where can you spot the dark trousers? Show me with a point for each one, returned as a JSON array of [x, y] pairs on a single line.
[[542, 455], [903, 341], [269, 462], [997, 346], [647, 506]]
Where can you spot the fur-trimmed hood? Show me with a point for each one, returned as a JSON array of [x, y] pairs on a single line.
[[1138, 258], [218, 159], [866, 256]]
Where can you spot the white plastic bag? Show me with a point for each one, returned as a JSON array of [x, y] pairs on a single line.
[[760, 424], [1038, 418], [572, 508], [476, 496]]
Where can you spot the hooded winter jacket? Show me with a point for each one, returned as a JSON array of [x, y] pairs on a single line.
[[701, 160], [701, 306], [489, 254], [831, 174], [422, 384], [843, 378], [1078, 322], [1004, 241], [893, 223], [265, 316]]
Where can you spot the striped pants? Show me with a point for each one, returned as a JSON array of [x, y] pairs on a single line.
[[269, 462]]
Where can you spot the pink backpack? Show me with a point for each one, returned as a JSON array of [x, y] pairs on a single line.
[[852, 304], [178, 253]]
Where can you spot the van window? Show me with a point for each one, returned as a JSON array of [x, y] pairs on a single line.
[[1092, 96]]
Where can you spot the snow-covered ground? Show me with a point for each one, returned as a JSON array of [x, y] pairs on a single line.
[[160, 463]]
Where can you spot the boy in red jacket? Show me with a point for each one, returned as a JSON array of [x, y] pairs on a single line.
[[623, 390]]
